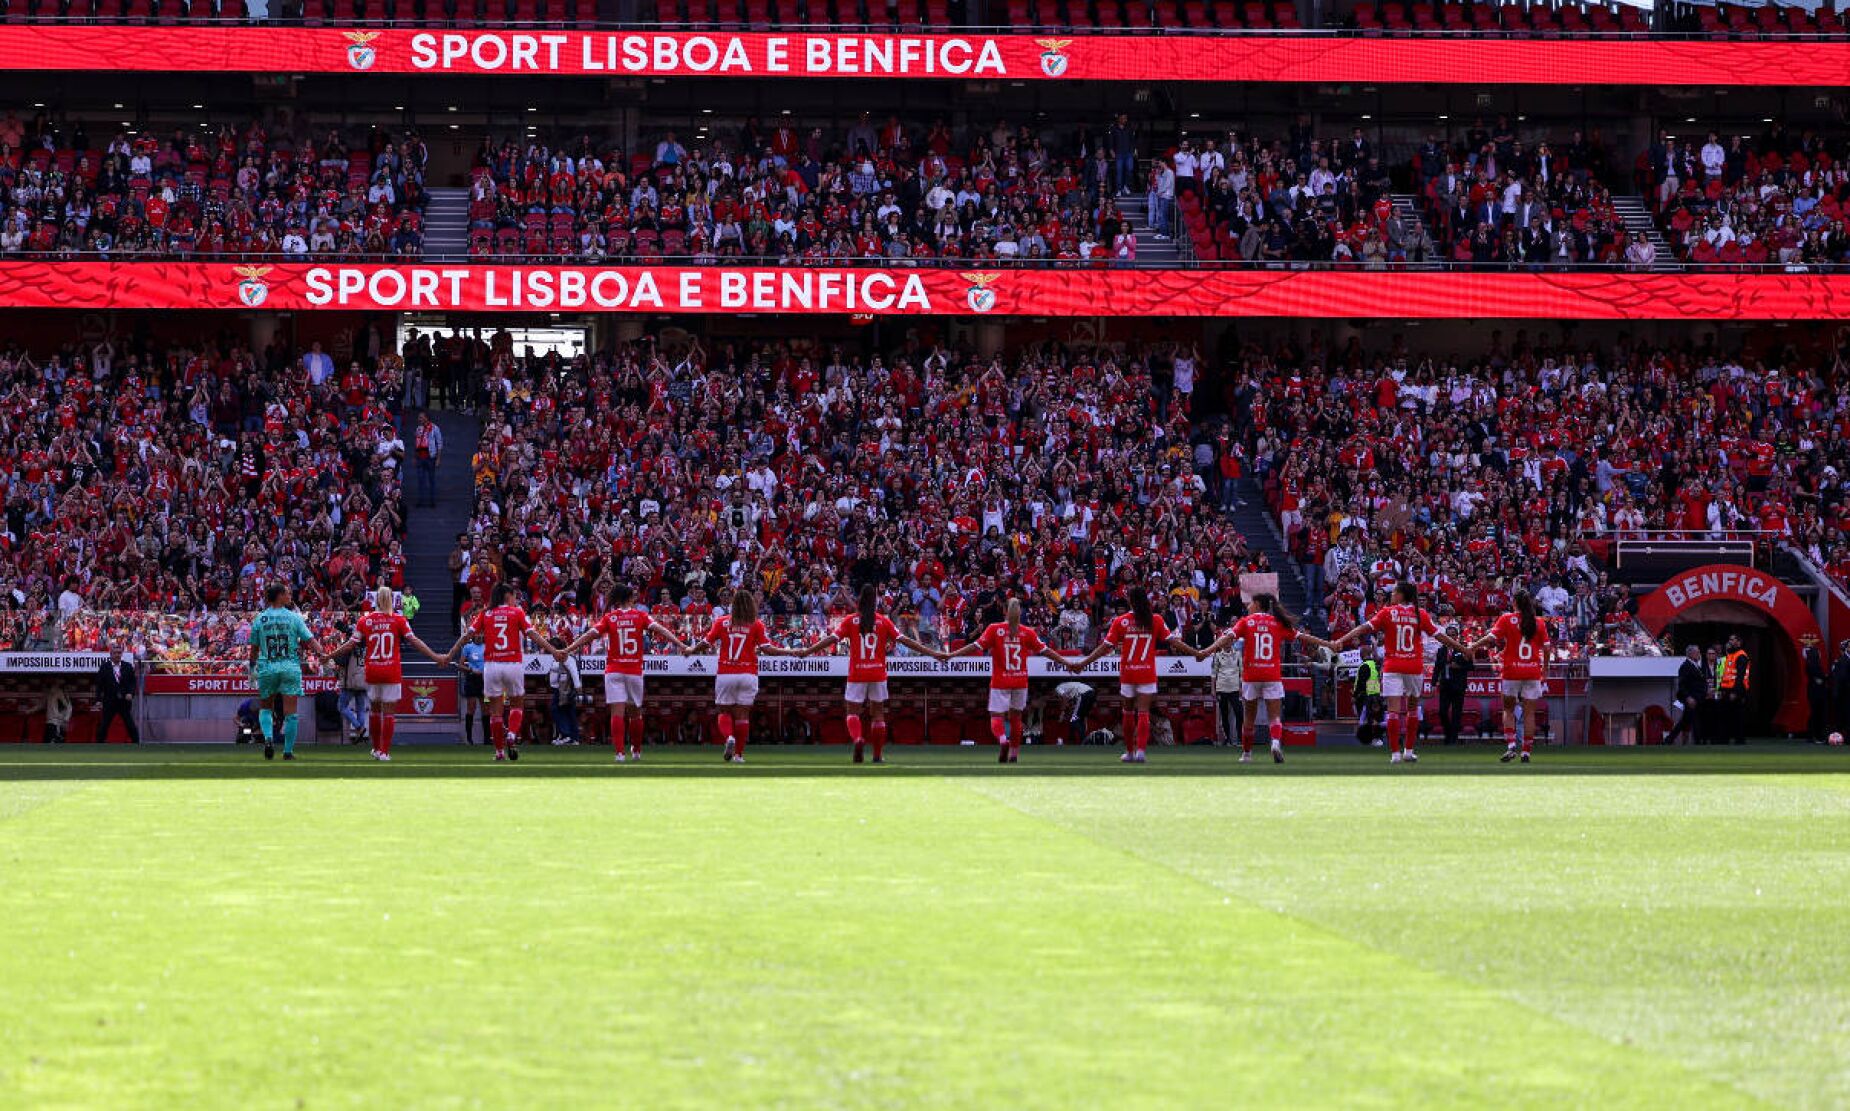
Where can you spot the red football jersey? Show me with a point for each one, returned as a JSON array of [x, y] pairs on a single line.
[[380, 635], [1522, 659], [501, 628], [1263, 638], [1008, 654], [623, 631], [1136, 647], [738, 648], [1402, 626], [867, 652]]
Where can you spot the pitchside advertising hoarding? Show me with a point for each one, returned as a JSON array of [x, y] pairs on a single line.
[[1016, 57], [950, 290]]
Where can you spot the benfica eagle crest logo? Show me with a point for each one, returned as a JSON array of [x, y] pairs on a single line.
[[253, 291], [360, 52], [979, 296], [1053, 62]]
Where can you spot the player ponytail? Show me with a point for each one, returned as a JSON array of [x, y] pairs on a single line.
[[382, 600], [1013, 613], [1140, 608], [866, 604], [744, 607], [1406, 593], [1525, 614], [1268, 604]]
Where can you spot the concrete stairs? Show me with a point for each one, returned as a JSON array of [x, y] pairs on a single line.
[[430, 533], [446, 225], [1255, 522], [1151, 251], [1407, 207], [1638, 222]]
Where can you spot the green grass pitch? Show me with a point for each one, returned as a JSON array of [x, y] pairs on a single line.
[[196, 928]]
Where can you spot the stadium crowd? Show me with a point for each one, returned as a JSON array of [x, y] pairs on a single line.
[[803, 471], [178, 480], [878, 189], [1776, 198], [1520, 465], [209, 190]]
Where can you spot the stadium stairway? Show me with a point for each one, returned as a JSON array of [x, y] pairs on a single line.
[[1406, 206], [446, 227], [1255, 522], [1150, 249], [430, 533], [1637, 216]]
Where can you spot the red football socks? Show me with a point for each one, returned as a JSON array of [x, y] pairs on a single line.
[[725, 725], [1143, 732], [999, 729], [496, 734], [878, 730], [1395, 720], [514, 718], [854, 728], [387, 724], [744, 732], [618, 722], [635, 730]]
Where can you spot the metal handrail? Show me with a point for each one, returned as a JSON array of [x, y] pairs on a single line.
[[907, 263]]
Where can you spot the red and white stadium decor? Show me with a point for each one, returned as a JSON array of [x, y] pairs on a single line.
[[1077, 291], [1016, 57]]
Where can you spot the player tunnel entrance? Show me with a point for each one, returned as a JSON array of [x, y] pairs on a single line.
[[1707, 605]]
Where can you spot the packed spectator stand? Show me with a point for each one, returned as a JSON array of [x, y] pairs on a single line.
[[940, 477], [1520, 465], [878, 190], [209, 191], [179, 480]]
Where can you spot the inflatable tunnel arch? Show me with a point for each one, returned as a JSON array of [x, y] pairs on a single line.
[[1728, 593]]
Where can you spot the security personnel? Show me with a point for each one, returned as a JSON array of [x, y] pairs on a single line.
[[1371, 708], [1731, 683]]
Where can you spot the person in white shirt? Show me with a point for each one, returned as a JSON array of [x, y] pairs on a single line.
[[1187, 164], [1713, 157]]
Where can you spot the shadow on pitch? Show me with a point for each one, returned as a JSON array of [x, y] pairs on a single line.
[[25, 763]]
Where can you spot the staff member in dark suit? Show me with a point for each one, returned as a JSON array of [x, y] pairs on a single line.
[[1451, 672], [1840, 688], [1817, 691], [115, 689], [1692, 697]]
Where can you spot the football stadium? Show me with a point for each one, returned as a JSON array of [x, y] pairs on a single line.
[[924, 553]]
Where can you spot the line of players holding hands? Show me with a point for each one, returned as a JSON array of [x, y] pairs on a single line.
[[739, 638]]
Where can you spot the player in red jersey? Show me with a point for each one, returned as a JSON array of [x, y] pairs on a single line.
[[740, 638], [1136, 636], [504, 629], [1009, 644], [1262, 635], [1403, 623], [870, 637], [1524, 638], [623, 628], [380, 633]]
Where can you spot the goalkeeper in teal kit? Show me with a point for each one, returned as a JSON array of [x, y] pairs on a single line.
[[278, 638]]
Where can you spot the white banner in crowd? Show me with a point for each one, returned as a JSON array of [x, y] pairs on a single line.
[[899, 667], [51, 663]]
